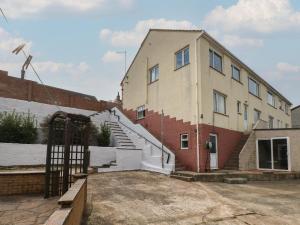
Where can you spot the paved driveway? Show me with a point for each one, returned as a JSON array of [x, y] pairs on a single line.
[[149, 198]]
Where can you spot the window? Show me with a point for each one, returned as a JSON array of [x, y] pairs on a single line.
[[271, 122], [215, 60], [281, 105], [270, 99], [235, 72], [239, 109], [253, 87], [256, 115], [182, 57], [184, 141], [141, 112], [286, 125], [219, 103], [286, 109], [278, 124], [154, 73]]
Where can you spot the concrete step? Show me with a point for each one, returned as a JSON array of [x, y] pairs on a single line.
[[184, 178], [237, 180]]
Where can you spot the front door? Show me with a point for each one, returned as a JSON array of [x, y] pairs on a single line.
[[213, 151]]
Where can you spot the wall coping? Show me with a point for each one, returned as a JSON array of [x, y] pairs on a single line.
[[21, 173], [277, 129], [68, 198], [59, 217]]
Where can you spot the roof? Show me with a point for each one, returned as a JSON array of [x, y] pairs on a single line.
[[211, 39], [296, 107]]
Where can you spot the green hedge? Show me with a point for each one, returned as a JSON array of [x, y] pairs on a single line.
[[17, 128]]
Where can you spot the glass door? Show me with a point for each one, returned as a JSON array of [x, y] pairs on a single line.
[[273, 153]]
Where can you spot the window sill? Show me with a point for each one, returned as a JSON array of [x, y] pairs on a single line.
[[272, 106], [153, 82], [237, 80], [184, 148], [181, 66], [255, 96], [222, 114], [137, 119], [220, 72]]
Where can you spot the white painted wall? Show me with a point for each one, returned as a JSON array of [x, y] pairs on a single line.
[[12, 154]]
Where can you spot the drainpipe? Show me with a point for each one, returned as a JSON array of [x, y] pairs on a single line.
[[197, 107]]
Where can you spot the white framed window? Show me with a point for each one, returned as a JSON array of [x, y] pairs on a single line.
[[215, 60], [278, 124], [184, 141], [239, 107], [141, 112], [182, 57], [154, 73], [236, 73], [281, 105], [271, 122], [219, 102], [270, 99], [286, 108], [253, 87], [256, 115]]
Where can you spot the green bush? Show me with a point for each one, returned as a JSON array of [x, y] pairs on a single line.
[[17, 128], [104, 136]]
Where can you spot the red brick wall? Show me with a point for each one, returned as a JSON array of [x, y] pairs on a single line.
[[227, 139], [12, 183], [12, 87]]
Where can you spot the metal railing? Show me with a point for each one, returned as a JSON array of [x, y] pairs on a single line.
[[160, 148]]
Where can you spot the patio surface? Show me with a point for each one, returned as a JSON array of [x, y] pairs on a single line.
[[139, 198], [26, 209]]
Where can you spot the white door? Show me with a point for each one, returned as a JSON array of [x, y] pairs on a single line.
[[245, 117], [213, 151]]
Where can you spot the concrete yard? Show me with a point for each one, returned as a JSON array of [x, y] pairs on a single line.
[[26, 209], [148, 198]]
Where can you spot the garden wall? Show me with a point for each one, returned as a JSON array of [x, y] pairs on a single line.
[[25, 182]]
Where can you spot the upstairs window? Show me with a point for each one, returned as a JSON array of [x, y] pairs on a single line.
[[184, 141], [239, 107], [182, 57], [271, 122], [256, 115], [154, 73], [141, 112], [270, 99], [236, 74], [219, 103], [286, 109], [253, 87], [215, 60], [281, 105]]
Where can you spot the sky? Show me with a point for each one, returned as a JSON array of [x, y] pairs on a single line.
[[75, 43]]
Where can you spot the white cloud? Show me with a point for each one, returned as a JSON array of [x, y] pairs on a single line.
[[262, 16], [237, 41], [9, 42], [20, 8], [135, 36], [284, 67], [111, 56]]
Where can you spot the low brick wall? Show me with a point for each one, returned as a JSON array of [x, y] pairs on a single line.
[[23, 182], [72, 203]]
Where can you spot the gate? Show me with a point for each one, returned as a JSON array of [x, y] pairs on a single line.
[[67, 151]]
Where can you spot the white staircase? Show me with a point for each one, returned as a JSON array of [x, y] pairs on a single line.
[[135, 147]]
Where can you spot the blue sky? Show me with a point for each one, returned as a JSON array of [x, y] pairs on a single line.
[[74, 43]]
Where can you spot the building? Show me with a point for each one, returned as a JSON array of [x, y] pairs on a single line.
[[197, 97], [296, 117]]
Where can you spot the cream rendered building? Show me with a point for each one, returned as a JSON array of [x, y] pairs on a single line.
[[191, 92]]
